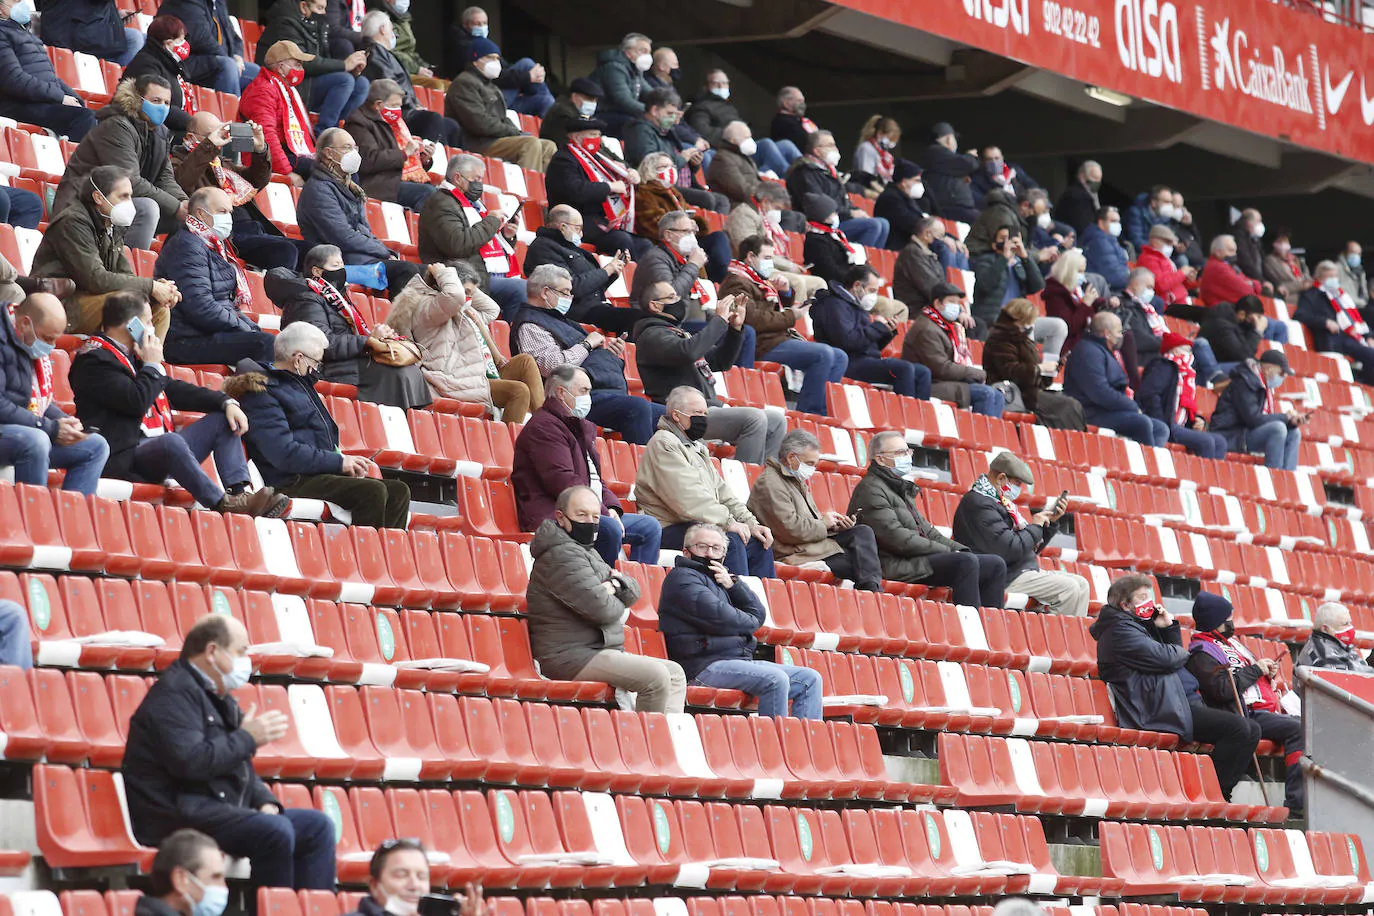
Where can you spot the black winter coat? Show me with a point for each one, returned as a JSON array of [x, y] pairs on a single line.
[[1241, 405], [311, 36], [984, 526], [188, 763], [840, 322], [1313, 312], [110, 397], [1142, 665], [210, 33], [154, 58], [827, 257], [702, 622], [709, 114], [298, 302], [383, 65], [290, 432], [16, 385], [1158, 388], [589, 280], [1231, 341], [906, 539], [1076, 207], [902, 213], [948, 174], [330, 214], [93, 26], [789, 127], [29, 75], [566, 183], [668, 356], [807, 176]]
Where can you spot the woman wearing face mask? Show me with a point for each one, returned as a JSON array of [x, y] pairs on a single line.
[[656, 195], [31, 91], [85, 243], [874, 159], [1067, 297], [319, 296], [395, 165], [164, 55], [1286, 270], [1010, 354]]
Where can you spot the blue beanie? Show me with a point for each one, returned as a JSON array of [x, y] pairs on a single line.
[[1210, 611], [481, 47]]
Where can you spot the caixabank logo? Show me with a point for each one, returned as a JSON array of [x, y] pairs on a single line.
[[1230, 62]]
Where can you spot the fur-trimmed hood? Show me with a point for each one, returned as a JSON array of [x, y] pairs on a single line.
[[245, 383], [126, 102]]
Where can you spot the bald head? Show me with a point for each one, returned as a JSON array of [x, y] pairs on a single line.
[[203, 124], [207, 202], [39, 317], [1107, 326], [214, 645]]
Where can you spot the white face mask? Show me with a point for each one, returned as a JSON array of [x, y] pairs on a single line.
[[867, 301], [574, 238], [1259, 230], [222, 224], [1147, 294], [1114, 230], [804, 471], [832, 157], [587, 109], [918, 190], [833, 221], [643, 62], [1166, 211], [748, 147], [238, 675], [122, 214], [1167, 251], [1044, 220], [720, 92], [1332, 284], [773, 217], [765, 268], [399, 906], [351, 162], [686, 245], [951, 311], [491, 69]]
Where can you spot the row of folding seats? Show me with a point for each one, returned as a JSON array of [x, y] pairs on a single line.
[[1081, 780], [1233, 865], [82, 820]]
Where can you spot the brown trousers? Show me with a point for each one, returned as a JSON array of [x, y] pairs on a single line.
[[84, 311], [520, 389], [527, 152]]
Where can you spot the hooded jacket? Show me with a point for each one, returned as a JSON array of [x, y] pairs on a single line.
[[1322, 650], [668, 356], [551, 454], [290, 432], [298, 302], [1000, 211], [1241, 405], [886, 503], [784, 504], [453, 364], [83, 246], [1142, 665], [329, 213], [124, 137], [703, 622], [676, 482], [571, 617]]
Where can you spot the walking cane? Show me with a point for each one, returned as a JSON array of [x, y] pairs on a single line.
[[1254, 757]]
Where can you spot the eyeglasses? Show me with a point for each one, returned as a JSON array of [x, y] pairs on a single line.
[[712, 550]]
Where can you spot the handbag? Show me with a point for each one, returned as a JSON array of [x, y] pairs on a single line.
[[399, 352]]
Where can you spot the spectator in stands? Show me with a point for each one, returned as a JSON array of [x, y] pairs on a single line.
[[1141, 657], [189, 763], [456, 224], [989, 522], [577, 605], [581, 103], [712, 110], [874, 164], [671, 357], [898, 204], [1335, 322], [131, 135], [727, 129], [1000, 211], [1010, 355], [1104, 252], [214, 53], [1171, 283], [918, 269], [664, 72], [936, 339], [1141, 314], [677, 484], [32, 91], [542, 329], [476, 103], [199, 163], [1233, 333], [162, 56], [1096, 377], [1230, 677], [557, 450], [376, 359], [331, 86], [910, 547], [1249, 416], [791, 126], [1284, 270], [15, 649], [1331, 644], [35, 434], [1350, 270], [395, 165], [558, 242], [1168, 392], [830, 252], [446, 313], [949, 174], [85, 244], [586, 175], [1007, 272], [187, 878], [995, 173], [1222, 280], [209, 324], [772, 310], [732, 171], [1079, 203], [1049, 238], [1068, 296], [398, 877], [1155, 208], [654, 133], [295, 443], [765, 216], [620, 72], [122, 389], [91, 26], [522, 83], [815, 173], [332, 209], [1247, 231], [842, 316], [803, 535], [708, 618], [380, 41], [656, 196], [1190, 251], [273, 101]]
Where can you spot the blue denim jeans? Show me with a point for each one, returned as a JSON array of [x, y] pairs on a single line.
[[1277, 440], [413, 194], [334, 96], [1276, 331], [869, 231], [1205, 361], [641, 532], [819, 363], [1133, 425], [1200, 443], [908, 378], [133, 43], [752, 559], [178, 456], [986, 399], [14, 635], [32, 453], [773, 684], [20, 208], [775, 155], [632, 417], [534, 98]]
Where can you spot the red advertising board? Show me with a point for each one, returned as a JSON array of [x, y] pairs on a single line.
[[1252, 64]]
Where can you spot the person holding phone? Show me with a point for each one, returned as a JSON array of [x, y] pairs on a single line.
[[399, 881], [988, 520]]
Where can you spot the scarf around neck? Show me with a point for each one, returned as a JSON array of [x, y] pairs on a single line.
[[984, 487]]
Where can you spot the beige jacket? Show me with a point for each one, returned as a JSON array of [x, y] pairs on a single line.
[[453, 363], [676, 482], [785, 506]]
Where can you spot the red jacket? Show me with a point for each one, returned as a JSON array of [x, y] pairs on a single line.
[[1170, 283], [262, 103], [551, 455], [1223, 283]]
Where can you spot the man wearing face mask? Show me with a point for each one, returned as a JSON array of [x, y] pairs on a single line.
[[1095, 376], [214, 49], [381, 41], [577, 611], [1222, 280], [1248, 230], [1155, 208], [122, 389], [843, 317], [1251, 417], [995, 172], [1350, 271], [131, 135], [767, 215], [556, 450], [902, 203], [273, 101], [404, 50], [1234, 333], [936, 339], [475, 101], [1336, 323], [585, 174], [1230, 675], [657, 132], [294, 442], [684, 250], [522, 83], [1171, 283], [209, 325], [35, 433], [949, 174], [918, 269], [187, 878], [332, 86], [32, 91], [457, 224], [1332, 643], [559, 242], [332, 209], [733, 171], [791, 126], [1079, 203], [1141, 657], [188, 762], [815, 173], [620, 71], [581, 102], [1103, 249]]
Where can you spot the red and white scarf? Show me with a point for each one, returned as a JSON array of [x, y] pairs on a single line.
[[1130, 392], [741, 269], [188, 96], [43, 379], [243, 294], [835, 233], [954, 331], [807, 124], [341, 303], [619, 208], [827, 166], [497, 254], [984, 486], [1006, 177], [886, 161], [158, 418], [1185, 395], [1269, 405], [1153, 318], [775, 232], [1347, 316], [238, 188], [1260, 695], [357, 9], [296, 132], [413, 170], [698, 292]]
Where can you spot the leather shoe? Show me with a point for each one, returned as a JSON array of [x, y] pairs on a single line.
[[266, 502]]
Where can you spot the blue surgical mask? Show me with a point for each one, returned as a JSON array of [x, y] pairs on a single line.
[[479, 31], [155, 112], [587, 109], [582, 406], [401, 6], [212, 901], [223, 225], [1013, 490], [1273, 381], [902, 464], [1352, 259], [21, 12], [562, 304]]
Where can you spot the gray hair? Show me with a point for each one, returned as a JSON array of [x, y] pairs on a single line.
[[1328, 613], [1017, 906], [317, 256], [299, 337], [1325, 266], [465, 271], [563, 377], [461, 163], [567, 496], [773, 193], [649, 165], [468, 13], [373, 22], [924, 223], [1088, 165], [796, 442], [543, 277], [1220, 242], [1139, 272], [786, 92], [670, 219], [877, 442], [681, 396], [699, 527], [633, 38], [380, 90], [329, 135], [559, 215]]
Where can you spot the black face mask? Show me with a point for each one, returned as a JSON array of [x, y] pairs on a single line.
[[584, 533], [675, 310], [475, 190], [675, 74], [337, 278], [1227, 629], [696, 428], [1094, 186]]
